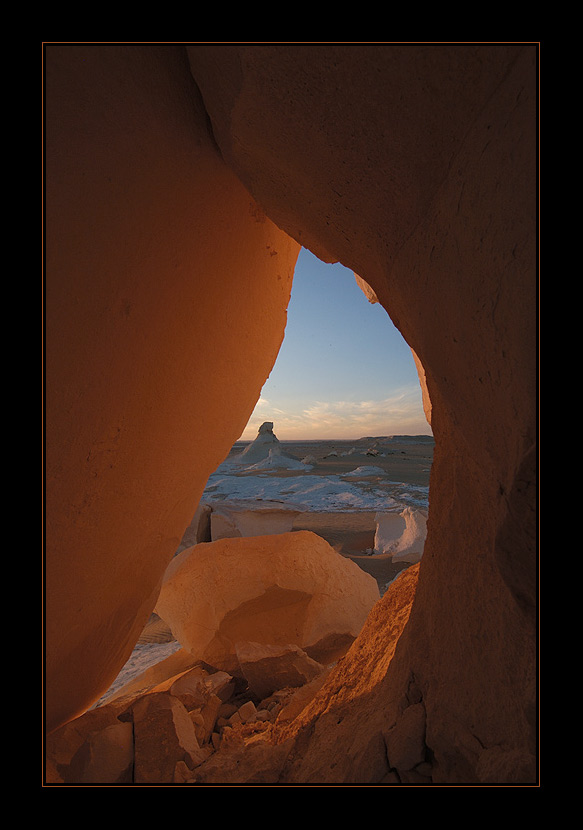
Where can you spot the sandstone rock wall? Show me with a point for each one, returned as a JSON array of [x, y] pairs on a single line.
[[166, 297], [414, 165]]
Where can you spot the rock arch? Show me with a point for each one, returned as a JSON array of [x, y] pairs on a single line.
[[180, 182]]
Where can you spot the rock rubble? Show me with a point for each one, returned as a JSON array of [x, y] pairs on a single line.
[[191, 728]]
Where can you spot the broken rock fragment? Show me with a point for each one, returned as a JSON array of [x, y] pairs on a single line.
[[268, 668], [164, 735], [106, 757]]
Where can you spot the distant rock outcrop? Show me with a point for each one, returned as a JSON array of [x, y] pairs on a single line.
[[259, 449], [278, 460], [264, 453]]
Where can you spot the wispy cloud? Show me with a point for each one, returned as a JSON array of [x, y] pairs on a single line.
[[401, 412]]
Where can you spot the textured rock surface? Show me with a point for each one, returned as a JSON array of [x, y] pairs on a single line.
[[163, 736], [267, 668], [427, 191], [192, 727], [199, 529], [156, 259], [339, 735], [284, 589], [106, 757], [204, 726]]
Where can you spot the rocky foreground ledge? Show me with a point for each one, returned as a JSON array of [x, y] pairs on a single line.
[[195, 724], [167, 733]]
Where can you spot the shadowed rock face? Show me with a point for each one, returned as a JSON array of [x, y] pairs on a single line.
[[412, 164]]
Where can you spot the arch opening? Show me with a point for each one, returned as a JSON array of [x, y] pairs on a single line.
[[339, 439], [347, 452]]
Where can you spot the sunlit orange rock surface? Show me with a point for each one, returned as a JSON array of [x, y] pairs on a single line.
[[412, 164], [276, 590], [166, 296]]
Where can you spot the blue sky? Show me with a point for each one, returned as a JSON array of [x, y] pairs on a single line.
[[343, 371]]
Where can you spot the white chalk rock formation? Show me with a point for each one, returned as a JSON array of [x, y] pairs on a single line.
[[277, 460], [401, 534], [389, 529], [291, 588], [258, 450], [365, 471], [252, 518], [264, 453]]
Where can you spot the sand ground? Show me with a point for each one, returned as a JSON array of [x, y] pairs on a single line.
[[403, 461], [409, 463]]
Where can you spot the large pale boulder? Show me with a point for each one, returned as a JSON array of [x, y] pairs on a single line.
[[289, 588]]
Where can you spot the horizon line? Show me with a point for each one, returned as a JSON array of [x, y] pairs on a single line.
[[360, 437]]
